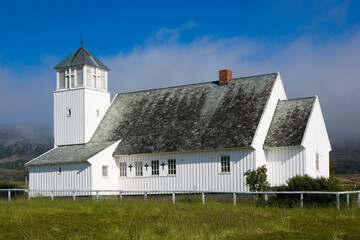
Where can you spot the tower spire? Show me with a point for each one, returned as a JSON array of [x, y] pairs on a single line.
[[81, 39]]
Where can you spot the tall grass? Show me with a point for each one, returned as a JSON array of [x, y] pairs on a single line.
[[158, 219]]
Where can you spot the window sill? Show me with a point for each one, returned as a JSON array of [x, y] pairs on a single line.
[[224, 173]]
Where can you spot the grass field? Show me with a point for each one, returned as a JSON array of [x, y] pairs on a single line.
[[155, 219]]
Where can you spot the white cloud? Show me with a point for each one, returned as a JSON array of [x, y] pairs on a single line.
[[26, 96], [307, 68]]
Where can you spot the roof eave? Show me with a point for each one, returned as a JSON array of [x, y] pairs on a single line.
[[189, 151]]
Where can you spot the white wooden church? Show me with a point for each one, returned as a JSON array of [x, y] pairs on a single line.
[[200, 137]]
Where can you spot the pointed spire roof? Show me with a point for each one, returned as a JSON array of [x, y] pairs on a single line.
[[81, 57]]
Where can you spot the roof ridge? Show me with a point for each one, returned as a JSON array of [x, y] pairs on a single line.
[[192, 84]]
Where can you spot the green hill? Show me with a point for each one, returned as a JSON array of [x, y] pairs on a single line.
[[19, 143]]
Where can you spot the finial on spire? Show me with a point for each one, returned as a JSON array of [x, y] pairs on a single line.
[[81, 40]]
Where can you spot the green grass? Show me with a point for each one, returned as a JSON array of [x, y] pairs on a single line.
[[159, 219]]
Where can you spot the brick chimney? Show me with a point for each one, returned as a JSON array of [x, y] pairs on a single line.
[[225, 76]]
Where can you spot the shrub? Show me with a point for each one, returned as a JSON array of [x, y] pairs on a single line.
[[257, 179], [307, 183], [8, 185]]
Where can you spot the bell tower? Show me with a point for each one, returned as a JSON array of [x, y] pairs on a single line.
[[81, 97]]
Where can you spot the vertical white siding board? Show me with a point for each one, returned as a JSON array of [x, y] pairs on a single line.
[[198, 171], [283, 163]]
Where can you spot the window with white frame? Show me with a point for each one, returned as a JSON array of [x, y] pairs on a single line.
[[225, 164], [68, 112], [155, 167], [138, 169], [317, 161], [105, 171], [61, 79], [172, 166], [123, 169], [70, 78]]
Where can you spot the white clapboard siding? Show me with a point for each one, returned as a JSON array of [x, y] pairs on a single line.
[[104, 158], [69, 129], [72, 177], [284, 163], [84, 104], [316, 141], [199, 171]]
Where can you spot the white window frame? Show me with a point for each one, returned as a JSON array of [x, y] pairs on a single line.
[[172, 166], [68, 112], [123, 169], [138, 169], [105, 171], [225, 164], [70, 76], [155, 168]]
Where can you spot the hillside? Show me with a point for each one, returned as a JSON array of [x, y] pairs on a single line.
[[347, 156], [20, 143]]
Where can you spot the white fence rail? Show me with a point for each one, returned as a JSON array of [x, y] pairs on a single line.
[[120, 193]]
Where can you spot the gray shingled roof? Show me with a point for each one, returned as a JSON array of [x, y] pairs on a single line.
[[186, 118], [69, 154], [81, 57], [289, 123]]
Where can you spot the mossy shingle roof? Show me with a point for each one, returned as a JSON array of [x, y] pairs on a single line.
[[186, 118], [69, 154], [289, 123]]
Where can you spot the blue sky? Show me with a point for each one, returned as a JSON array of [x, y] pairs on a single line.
[[313, 44]]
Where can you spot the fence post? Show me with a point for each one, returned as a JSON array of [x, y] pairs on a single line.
[[9, 195], [337, 201], [74, 195], [203, 198], [301, 199], [358, 199], [234, 198], [145, 196], [348, 200], [173, 197], [97, 195], [52, 195], [120, 195], [266, 197]]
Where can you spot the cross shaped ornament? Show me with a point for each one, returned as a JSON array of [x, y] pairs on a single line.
[[163, 165], [146, 166], [130, 166]]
